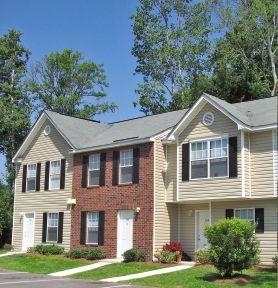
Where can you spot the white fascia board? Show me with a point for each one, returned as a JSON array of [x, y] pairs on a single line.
[[258, 128], [160, 134]]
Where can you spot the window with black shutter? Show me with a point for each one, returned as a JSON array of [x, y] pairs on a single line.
[[84, 180], [46, 176], [115, 172], [83, 227], [232, 157], [185, 162], [136, 163], [259, 218], [63, 174], [102, 169], [38, 177], [60, 227], [24, 174], [44, 227]]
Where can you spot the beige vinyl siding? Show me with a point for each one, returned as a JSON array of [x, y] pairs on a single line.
[[268, 239], [262, 164], [43, 148], [210, 188], [165, 215], [171, 180], [247, 164]]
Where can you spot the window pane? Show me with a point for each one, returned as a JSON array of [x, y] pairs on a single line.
[[198, 150], [199, 169], [92, 235], [92, 227], [218, 167], [94, 177], [250, 214], [126, 174], [55, 181], [52, 227], [94, 162], [55, 174], [237, 213], [31, 184], [243, 214], [52, 234], [126, 158]]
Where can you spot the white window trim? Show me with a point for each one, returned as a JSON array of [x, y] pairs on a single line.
[[88, 175], [27, 178], [49, 181], [208, 158], [87, 221], [247, 208], [124, 166], [52, 226]]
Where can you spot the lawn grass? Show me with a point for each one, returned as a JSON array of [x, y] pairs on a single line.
[[3, 251], [39, 263], [203, 277], [117, 269]]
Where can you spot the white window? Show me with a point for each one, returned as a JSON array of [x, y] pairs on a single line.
[[92, 227], [126, 166], [94, 169], [245, 213], [31, 177], [52, 227], [209, 159], [54, 175]]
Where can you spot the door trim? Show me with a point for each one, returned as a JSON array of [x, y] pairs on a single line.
[[196, 212], [24, 213]]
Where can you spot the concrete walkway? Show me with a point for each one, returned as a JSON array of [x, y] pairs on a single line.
[[183, 266], [9, 253], [85, 268]]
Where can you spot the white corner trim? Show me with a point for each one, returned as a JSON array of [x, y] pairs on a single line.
[[178, 170], [179, 223], [275, 161], [242, 163], [16, 178], [166, 173], [249, 166]]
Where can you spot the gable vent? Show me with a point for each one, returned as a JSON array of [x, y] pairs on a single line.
[[47, 130], [208, 118]]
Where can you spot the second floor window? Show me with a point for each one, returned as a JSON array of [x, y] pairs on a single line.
[[126, 166], [209, 159], [31, 177], [92, 227], [52, 227], [54, 175], [94, 170]]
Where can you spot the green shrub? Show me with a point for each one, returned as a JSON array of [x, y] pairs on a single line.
[[166, 256], [275, 260], [135, 255], [233, 245], [202, 256], [8, 247], [49, 249], [77, 253], [31, 250], [95, 254]]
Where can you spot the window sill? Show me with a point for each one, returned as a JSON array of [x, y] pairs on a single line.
[[93, 186], [211, 178], [91, 245], [125, 184]]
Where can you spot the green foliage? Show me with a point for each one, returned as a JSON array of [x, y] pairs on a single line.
[[64, 82], [233, 245], [8, 247], [166, 256], [202, 256], [95, 254], [135, 255], [49, 249], [77, 253]]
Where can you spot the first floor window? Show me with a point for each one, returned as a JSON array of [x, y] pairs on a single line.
[[126, 166], [246, 214], [31, 177], [94, 169], [54, 175], [209, 159], [52, 227], [92, 227]]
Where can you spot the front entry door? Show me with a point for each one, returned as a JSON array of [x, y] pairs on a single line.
[[28, 231], [202, 220], [125, 231]]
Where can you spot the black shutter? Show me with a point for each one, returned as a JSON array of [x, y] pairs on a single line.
[[101, 220], [24, 175], [136, 160], [259, 218], [46, 178], [62, 173], [115, 174], [83, 227], [44, 227], [185, 162], [102, 169], [229, 213], [85, 160], [60, 227], [38, 177], [233, 157]]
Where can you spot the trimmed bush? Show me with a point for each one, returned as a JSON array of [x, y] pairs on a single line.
[[166, 256], [95, 254], [8, 247], [135, 255], [202, 256], [233, 245], [49, 249], [78, 253], [173, 247]]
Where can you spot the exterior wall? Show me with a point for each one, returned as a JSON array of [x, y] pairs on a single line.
[[110, 199], [268, 239], [210, 188], [42, 149], [171, 174]]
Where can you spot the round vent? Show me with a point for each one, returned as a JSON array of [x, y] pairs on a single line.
[[47, 130], [208, 118]]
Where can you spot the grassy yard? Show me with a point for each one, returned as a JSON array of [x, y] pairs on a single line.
[[117, 269], [39, 263], [3, 251], [206, 277]]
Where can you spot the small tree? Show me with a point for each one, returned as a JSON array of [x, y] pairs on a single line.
[[233, 245]]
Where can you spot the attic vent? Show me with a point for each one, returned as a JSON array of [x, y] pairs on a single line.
[[208, 118], [47, 130]]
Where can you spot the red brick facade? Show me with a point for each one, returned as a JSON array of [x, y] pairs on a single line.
[[110, 199]]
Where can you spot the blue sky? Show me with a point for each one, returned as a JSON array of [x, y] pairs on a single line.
[[100, 29]]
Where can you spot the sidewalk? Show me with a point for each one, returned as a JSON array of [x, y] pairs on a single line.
[[9, 253]]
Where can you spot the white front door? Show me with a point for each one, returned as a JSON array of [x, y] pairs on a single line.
[[28, 231], [202, 220], [125, 231]]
